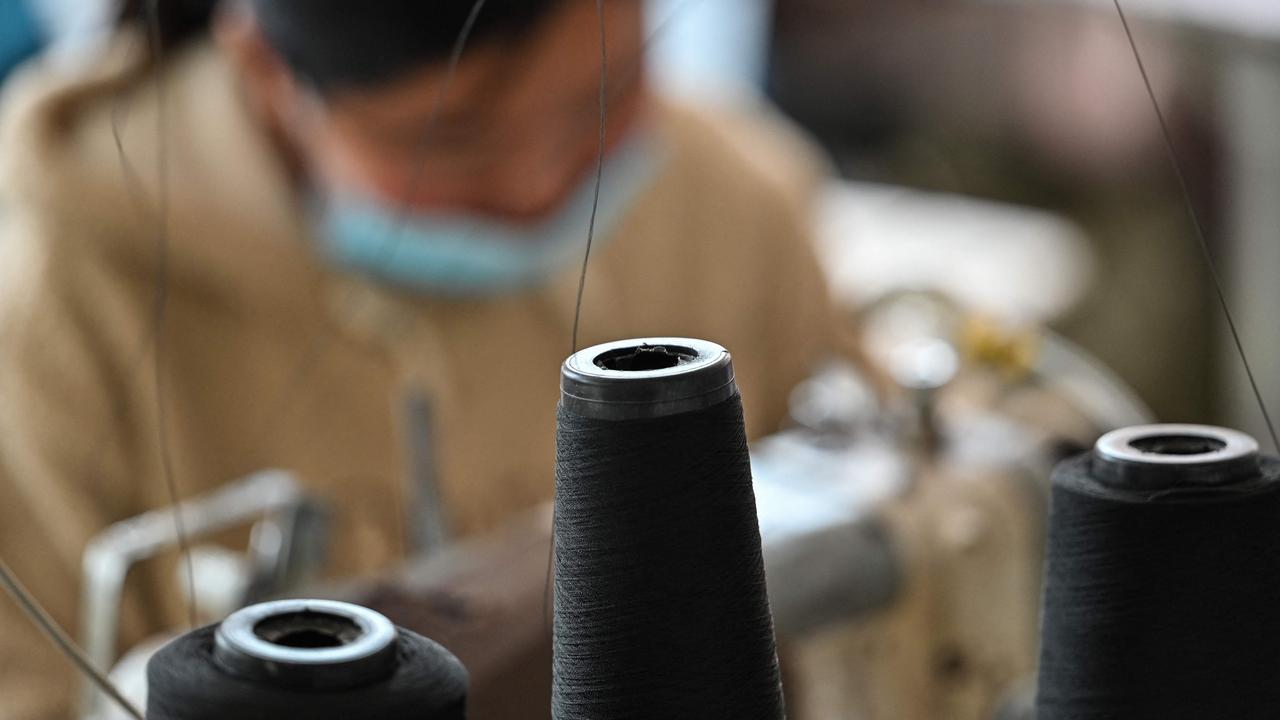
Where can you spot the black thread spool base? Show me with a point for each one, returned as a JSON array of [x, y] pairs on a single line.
[[1162, 588], [660, 606], [305, 658]]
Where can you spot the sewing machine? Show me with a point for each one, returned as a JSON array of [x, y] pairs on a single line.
[[902, 512]]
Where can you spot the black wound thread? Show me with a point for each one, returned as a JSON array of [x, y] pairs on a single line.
[[1162, 588], [660, 602], [206, 675]]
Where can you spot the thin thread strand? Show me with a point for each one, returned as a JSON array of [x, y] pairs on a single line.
[[595, 203], [627, 76], [582, 277], [56, 635], [145, 342], [1199, 228], [160, 309]]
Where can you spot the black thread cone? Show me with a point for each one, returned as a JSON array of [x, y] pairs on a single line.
[[1162, 588], [200, 676], [661, 608]]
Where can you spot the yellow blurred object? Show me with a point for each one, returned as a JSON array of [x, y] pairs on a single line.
[[1013, 352]]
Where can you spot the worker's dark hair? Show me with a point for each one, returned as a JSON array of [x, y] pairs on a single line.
[[335, 44], [178, 20]]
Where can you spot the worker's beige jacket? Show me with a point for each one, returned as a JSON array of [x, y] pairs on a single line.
[[269, 359]]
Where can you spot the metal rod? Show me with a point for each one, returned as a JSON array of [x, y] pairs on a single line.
[[59, 637]]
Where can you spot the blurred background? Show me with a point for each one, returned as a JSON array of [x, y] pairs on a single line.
[[1036, 105], [1040, 105]]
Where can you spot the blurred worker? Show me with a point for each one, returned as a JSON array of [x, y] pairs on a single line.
[[299, 217]]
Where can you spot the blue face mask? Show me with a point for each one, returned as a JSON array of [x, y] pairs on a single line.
[[464, 256]]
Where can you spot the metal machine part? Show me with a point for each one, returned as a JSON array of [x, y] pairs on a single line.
[[905, 334], [861, 572], [307, 644], [286, 548], [923, 368], [652, 377], [428, 526], [959, 627], [828, 555], [1169, 456], [949, 540], [837, 402]]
